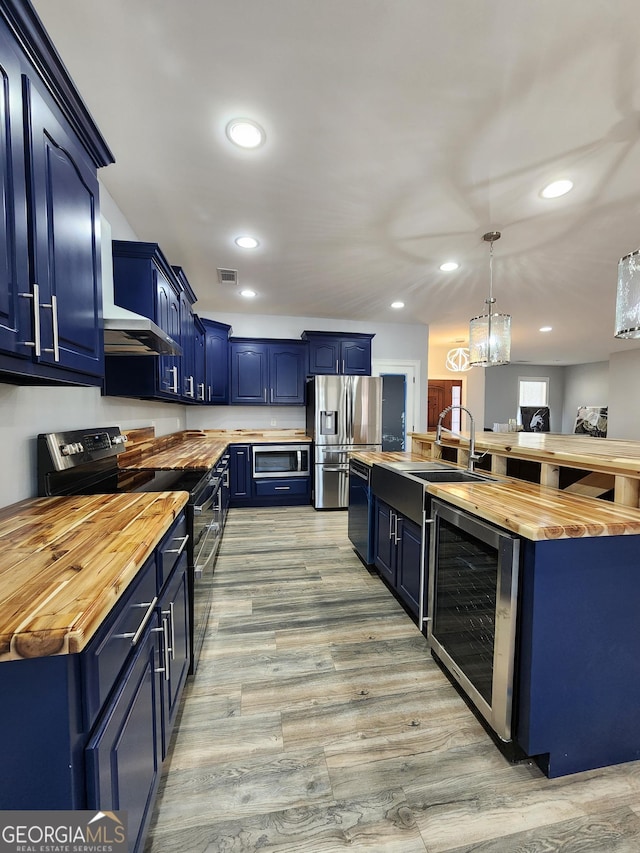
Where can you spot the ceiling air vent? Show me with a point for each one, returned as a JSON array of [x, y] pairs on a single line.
[[227, 276]]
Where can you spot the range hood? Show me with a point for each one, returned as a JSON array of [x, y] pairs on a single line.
[[125, 332]]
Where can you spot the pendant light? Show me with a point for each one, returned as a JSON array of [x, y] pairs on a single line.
[[628, 297], [490, 333]]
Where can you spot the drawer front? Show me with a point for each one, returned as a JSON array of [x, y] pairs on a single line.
[[281, 487], [109, 650], [170, 549]]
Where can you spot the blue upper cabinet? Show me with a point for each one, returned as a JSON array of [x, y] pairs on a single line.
[[187, 338], [50, 288], [249, 372], [336, 353], [144, 282], [217, 361], [63, 191], [200, 359], [15, 323], [268, 372]]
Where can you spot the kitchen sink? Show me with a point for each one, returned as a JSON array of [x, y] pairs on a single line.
[[416, 465], [404, 489], [452, 476]]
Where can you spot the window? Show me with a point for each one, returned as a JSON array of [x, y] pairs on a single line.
[[532, 391]]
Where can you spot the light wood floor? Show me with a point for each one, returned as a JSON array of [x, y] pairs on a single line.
[[317, 722]]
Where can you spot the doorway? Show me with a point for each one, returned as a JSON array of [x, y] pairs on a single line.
[[394, 407], [440, 394], [400, 381]]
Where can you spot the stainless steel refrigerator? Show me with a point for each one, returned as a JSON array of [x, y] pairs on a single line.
[[344, 413]]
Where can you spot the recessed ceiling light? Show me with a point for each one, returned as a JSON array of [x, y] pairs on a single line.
[[449, 266], [245, 133], [397, 304], [246, 242], [545, 328], [248, 294], [557, 188]]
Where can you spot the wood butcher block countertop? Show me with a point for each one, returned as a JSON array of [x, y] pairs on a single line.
[[64, 562], [615, 456], [194, 449], [538, 512]]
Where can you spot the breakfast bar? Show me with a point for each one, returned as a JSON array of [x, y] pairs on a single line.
[[582, 465]]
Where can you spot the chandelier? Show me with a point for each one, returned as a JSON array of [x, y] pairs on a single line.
[[628, 297], [490, 333]]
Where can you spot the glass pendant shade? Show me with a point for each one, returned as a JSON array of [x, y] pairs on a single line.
[[628, 297], [490, 340], [490, 333]]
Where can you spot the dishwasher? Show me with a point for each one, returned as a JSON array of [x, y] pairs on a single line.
[[360, 520]]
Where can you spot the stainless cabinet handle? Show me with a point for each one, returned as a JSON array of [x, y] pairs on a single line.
[[391, 524], [209, 398], [265, 395], [165, 650], [281, 488], [396, 538], [343, 365], [54, 323], [35, 296], [272, 395], [189, 392], [173, 387], [183, 541], [134, 636], [337, 366], [168, 616], [201, 391]]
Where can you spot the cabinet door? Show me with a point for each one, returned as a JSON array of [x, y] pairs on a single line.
[[64, 202], [240, 471], [249, 372], [187, 341], [123, 757], [168, 318], [217, 358], [176, 653], [355, 358], [324, 356], [15, 310], [384, 542], [409, 554], [287, 373], [200, 356]]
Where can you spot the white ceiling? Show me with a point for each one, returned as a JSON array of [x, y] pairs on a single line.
[[398, 133]]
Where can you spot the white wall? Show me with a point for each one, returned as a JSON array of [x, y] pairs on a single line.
[[624, 395], [584, 385], [26, 411]]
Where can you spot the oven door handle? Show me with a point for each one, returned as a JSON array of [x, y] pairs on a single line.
[[299, 460], [203, 507]]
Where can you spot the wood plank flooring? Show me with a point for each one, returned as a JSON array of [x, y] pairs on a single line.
[[318, 722]]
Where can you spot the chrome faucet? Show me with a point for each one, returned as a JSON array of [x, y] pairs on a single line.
[[473, 456]]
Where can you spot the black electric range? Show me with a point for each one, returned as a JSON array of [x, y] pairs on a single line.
[[85, 462]]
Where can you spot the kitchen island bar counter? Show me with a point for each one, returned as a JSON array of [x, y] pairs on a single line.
[[600, 465], [533, 511], [65, 562], [194, 449]]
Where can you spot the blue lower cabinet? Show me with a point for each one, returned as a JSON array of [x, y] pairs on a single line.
[[173, 612], [398, 554], [282, 491], [124, 755], [239, 473]]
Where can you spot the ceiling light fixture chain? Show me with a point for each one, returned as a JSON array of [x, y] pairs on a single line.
[[490, 333]]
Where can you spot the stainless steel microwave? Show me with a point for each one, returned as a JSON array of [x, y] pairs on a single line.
[[280, 460]]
